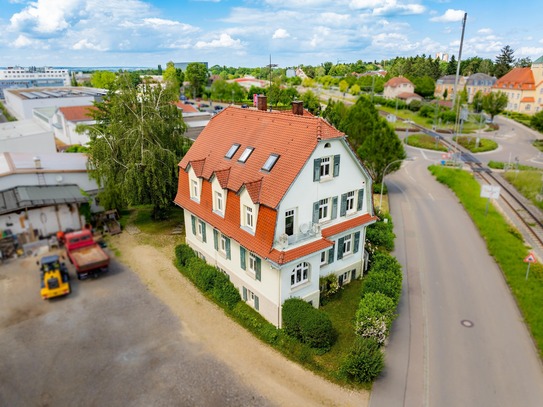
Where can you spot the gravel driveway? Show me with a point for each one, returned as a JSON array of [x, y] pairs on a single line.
[[109, 343]]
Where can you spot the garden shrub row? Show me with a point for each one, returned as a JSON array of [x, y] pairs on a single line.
[[308, 324]]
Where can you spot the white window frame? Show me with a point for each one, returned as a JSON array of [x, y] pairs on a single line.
[[195, 189], [248, 216], [350, 205], [325, 210], [324, 258], [326, 166], [299, 274], [218, 201], [251, 264], [199, 229], [222, 244], [289, 213], [348, 245]]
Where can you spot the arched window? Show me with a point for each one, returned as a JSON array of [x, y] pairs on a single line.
[[300, 274]]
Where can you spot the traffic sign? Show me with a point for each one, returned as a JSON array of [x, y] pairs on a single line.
[[530, 258]]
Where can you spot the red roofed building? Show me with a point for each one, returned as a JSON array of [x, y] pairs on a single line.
[[523, 87], [276, 201], [396, 86], [65, 121]]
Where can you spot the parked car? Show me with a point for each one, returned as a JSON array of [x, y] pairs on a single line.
[[245, 106], [218, 108], [203, 105]]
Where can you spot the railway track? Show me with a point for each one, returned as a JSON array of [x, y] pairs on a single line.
[[518, 209]]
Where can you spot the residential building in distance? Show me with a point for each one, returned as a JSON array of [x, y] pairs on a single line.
[[32, 77], [400, 88], [21, 102], [523, 87], [445, 86], [471, 84], [65, 121], [183, 65], [195, 120], [276, 200]]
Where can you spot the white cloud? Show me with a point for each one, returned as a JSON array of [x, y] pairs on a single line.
[[46, 17], [23, 41], [485, 31], [534, 52], [224, 41], [280, 33], [85, 44], [450, 16]]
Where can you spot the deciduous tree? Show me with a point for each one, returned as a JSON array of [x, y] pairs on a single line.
[[135, 147], [197, 75], [494, 103]]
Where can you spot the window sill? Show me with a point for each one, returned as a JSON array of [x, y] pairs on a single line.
[[248, 230], [251, 274], [300, 286], [195, 199], [218, 213]]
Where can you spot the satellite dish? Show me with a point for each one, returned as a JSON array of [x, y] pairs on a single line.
[[283, 239], [59, 179], [304, 227]]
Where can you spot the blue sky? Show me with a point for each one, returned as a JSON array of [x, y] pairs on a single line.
[[236, 33]]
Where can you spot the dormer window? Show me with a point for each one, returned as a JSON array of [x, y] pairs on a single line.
[[232, 151], [245, 155], [270, 162]]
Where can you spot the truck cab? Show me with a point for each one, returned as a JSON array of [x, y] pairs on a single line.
[[55, 280]]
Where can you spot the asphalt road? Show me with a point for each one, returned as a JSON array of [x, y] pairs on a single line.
[[459, 339], [109, 343]]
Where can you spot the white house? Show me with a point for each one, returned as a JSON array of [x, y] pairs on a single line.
[[44, 192], [276, 201], [65, 121], [401, 88]]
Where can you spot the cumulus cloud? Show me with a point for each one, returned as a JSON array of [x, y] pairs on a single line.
[[485, 31], [85, 44], [387, 7], [280, 33], [450, 16], [23, 41], [224, 41], [46, 17]]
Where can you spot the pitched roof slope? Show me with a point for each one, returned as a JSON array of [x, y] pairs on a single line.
[[397, 81], [517, 78], [77, 113], [292, 137]]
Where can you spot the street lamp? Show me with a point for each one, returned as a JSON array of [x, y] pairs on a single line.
[[383, 179]]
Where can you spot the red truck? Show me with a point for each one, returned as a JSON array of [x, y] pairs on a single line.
[[85, 254]]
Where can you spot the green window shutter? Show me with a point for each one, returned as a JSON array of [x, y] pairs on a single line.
[[356, 241], [228, 252], [258, 267], [193, 221], [336, 165], [256, 303], [244, 294], [334, 208], [331, 254], [360, 199], [340, 248], [216, 238], [203, 231], [316, 169], [343, 207], [316, 212], [242, 257]]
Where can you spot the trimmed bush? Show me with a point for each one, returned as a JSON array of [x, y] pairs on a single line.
[[385, 282], [380, 234], [225, 292], [385, 262], [374, 316], [364, 362], [307, 324], [256, 323], [205, 277], [183, 253]]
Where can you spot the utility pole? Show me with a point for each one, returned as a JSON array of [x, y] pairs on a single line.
[[455, 96]]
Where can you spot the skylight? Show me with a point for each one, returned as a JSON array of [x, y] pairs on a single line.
[[245, 154], [270, 162], [232, 151]]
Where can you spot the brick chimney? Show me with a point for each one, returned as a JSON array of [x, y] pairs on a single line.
[[298, 107], [262, 102]]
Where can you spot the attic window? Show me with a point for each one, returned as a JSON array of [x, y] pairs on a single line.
[[232, 151], [245, 154], [270, 162], [327, 145]]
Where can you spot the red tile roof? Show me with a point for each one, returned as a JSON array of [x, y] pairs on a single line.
[[397, 81], [186, 108], [517, 78], [527, 99], [409, 95], [292, 137], [77, 113]]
